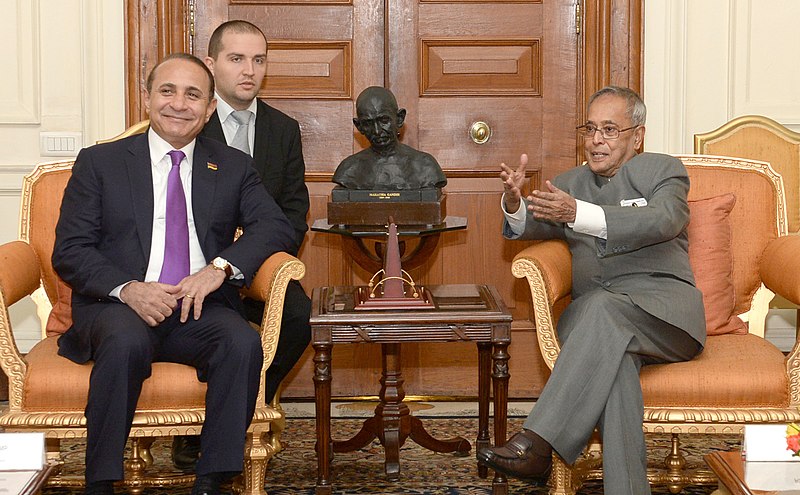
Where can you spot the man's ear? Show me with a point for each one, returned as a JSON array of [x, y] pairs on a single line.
[[146, 100], [401, 117], [638, 136], [358, 125], [210, 64]]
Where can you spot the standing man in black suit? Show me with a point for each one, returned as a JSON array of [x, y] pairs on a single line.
[[145, 240], [237, 56]]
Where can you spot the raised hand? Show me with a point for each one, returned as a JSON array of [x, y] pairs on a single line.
[[513, 182]]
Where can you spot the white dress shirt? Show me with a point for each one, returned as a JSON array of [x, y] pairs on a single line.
[[160, 165]]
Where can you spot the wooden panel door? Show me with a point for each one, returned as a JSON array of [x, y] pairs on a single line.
[[522, 67]]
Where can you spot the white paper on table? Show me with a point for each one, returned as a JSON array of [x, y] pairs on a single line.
[[765, 443], [773, 476], [15, 482], [21, 451]]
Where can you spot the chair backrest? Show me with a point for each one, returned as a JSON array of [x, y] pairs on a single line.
[[42, 191], [760, 138], [758, 216], [40, 207]]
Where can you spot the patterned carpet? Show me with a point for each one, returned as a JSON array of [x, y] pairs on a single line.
[[293, 471]]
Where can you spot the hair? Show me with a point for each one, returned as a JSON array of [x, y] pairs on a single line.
[[637, 111], [187, 57], [235, 26]]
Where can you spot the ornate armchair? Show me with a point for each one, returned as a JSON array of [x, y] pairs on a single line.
[[48, 393], [740, 378], [760, 138]]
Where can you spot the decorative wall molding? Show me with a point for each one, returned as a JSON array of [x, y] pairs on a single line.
[[20, 90], [301, 69], [764, 74]]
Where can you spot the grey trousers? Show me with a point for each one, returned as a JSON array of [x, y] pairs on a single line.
[[606, 339]]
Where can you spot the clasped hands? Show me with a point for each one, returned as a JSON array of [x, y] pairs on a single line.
[[154, 302], [554, 204]]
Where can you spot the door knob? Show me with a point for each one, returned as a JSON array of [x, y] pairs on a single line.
[[480, 132]]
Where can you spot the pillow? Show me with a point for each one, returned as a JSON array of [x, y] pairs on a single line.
[[60, 319], [711, 257]]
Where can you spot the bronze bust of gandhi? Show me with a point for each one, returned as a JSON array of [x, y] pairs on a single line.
[[387, 164]]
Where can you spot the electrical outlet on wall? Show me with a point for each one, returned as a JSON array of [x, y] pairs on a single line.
[[60, 143]]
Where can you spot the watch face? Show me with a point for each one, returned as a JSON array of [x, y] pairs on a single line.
[[219, 263]]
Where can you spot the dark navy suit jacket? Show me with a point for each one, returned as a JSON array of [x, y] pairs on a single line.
[[104, 232]]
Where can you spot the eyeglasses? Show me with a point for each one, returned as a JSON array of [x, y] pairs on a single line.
[[607, 131]]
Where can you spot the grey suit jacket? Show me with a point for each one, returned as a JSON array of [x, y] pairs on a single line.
[[645, 255]]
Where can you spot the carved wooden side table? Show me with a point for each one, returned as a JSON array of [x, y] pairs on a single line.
[[473, 313]]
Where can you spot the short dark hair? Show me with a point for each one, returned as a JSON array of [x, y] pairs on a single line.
[[182, 56], [235, 26], [637, 111]]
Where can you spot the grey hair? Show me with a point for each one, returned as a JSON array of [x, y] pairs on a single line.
[[637, 111]]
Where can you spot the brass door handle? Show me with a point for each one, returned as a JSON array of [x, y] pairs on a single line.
[[480, 132]]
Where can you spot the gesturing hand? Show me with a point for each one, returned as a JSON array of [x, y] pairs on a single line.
[[513, 182], [555, 205]]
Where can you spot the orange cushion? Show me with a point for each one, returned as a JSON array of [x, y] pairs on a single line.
[[54, 383], [60, 319], [717, 377], [711, 258]]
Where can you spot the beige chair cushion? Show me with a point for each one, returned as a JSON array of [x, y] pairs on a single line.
[[720, 377], [55, 383]]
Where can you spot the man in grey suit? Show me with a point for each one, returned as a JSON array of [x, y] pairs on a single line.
[[624, 216]]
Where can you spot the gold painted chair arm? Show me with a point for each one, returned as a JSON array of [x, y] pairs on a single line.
[[19, 277], [269, 285], [780, 267], [547, 266]]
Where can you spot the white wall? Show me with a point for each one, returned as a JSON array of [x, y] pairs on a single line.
[[63, 64], [708, 61]]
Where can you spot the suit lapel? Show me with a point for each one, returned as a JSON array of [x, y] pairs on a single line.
[[204, 181], [261, 145], [140, 177], [213, 128]]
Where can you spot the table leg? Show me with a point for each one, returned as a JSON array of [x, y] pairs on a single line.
[[322, 399], [393, 423], [484, 372], [500, 377]]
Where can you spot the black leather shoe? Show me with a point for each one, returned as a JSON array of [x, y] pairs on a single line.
[[525, 457], [208, 484], [185, 452]]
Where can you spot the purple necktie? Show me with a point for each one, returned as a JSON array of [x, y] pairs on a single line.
[[176, 248]]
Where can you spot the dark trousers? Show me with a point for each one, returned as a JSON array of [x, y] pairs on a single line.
[[221, 345], [295, 333]]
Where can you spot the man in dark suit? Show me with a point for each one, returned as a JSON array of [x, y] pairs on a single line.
[[237, 56], [141, 221], [624, 216]]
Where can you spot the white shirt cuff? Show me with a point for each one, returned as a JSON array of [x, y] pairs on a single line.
[[589, 219], [515, 220]]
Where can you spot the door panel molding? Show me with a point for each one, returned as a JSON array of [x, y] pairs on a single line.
[[610, 50]]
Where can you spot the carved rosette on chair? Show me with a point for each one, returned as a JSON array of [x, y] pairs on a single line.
[[387, 287]]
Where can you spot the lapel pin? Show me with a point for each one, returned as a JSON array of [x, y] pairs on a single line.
[[211, 166]]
